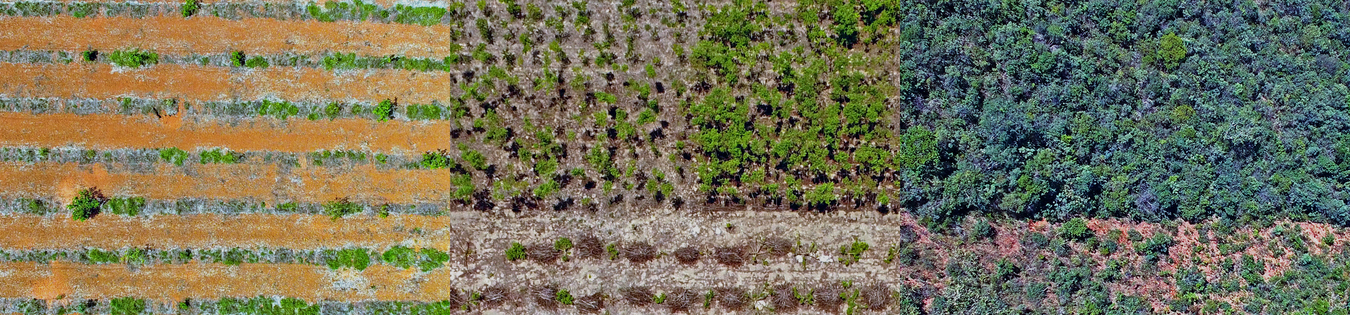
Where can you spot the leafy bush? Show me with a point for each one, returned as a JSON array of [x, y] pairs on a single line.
[[564, 297], [128, 306], [475, 159], [133, 58], [190, 7], [355, 258], [86, 204], [237, 58], [339, 208], [126, 206], [1075, 229], [851, 253], [279, 110], [516, 252], [221, 156], [384, 111], [90, 55], [173, 155]]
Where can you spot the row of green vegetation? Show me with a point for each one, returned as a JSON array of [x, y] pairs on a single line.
[[424, 259]]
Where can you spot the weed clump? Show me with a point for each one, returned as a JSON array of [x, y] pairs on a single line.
[[516, 252], [133, 58], [384, 110], [340, 208], [86, 204], [190, 7], [127, 306], [355, 258]]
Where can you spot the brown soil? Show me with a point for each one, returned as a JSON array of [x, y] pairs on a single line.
[[206, 34], [196, 83], [293, 136]]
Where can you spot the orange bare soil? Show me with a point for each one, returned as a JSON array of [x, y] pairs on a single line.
[[205, 34], [293, 136], [196, 83], [209, 230], [383, 3], [364, 183], [176, 282]]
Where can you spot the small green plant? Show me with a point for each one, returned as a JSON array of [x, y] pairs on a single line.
[[355, 258], [86, 204], [852, 252], [562, 244], [659, 298], [237, 58], [613, 251], [190, 7], [221, 157], [126, 206], [173, 155], [385, 110], [127, 306], [475, 159], [90, 55], [133, 58], [516, 252], [339, 208], [1075, 229], [564, 297]]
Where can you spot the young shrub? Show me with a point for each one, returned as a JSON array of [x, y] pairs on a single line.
[[852, 252], [516, 252], [356, 258], [340, 208], [237, 58], [90, 55], [133, 58], [126, 206], [190, 7], [384, 111], [475, 159], [1075, 229], [86, 204], [173, 155], [127, 306], [981, 229], [564, 297]]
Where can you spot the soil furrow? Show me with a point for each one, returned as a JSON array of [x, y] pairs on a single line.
[[205, 34], [196, 83]]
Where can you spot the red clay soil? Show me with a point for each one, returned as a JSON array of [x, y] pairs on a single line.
[[197, 83], [231, 181], [296, 135], [206, 34]]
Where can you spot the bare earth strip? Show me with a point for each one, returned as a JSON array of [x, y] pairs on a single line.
[[205, 34], [108, 132], [195, 83], [264, 182]]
